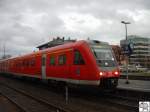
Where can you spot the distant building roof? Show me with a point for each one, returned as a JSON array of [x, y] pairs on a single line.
[[135, 37]]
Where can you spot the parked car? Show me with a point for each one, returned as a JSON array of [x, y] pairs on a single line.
[[131, 68], [141, 69], [122, 68]]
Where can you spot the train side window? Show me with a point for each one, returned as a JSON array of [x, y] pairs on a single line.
[[32, 63], [27, 63], [78, 59], [62, 59], [24, 63], [52, 60]]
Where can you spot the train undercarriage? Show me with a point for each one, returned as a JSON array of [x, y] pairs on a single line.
[[109, 83]]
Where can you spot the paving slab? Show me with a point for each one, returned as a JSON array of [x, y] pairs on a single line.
[[139, 85]]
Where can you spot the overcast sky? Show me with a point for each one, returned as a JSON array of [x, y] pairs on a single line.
[[25, 24]]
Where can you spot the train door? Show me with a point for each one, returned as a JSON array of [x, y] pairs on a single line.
[[63, 66], [78, 68], [43, 66], [51, 65]]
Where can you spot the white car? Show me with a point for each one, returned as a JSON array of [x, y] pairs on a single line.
[[141, 69]]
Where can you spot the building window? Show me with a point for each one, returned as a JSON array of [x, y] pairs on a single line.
[[78, 60], [62, 59], [52, 60]]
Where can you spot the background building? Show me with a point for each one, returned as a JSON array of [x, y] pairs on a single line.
[[118, 53], [141, 51]]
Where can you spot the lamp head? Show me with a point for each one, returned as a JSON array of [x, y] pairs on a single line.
[[125, 22]]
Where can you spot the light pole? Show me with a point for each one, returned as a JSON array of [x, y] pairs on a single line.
[[127, 78]]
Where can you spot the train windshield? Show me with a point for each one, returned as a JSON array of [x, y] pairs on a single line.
[[104, 55]]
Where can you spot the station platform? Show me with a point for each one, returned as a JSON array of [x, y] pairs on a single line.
[[137, 85]]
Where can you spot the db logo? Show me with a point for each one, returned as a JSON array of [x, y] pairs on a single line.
[[144, 106]]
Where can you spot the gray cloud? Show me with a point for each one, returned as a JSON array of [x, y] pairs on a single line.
[[24, 24]]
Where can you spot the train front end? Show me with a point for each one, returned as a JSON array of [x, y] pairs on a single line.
[[106, 63]]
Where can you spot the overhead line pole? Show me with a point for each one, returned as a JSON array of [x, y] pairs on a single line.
[[127, 77]]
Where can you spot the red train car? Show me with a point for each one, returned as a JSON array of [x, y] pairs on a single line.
[[81, 62]]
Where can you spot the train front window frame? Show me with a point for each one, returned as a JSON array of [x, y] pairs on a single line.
[[104, 55]]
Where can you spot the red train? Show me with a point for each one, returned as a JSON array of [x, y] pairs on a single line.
[[82, 62]]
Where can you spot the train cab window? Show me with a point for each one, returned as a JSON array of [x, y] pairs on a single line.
[[52, 60], [78, 59], [62, 59]]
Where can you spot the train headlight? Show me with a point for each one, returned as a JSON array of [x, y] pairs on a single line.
[[101, 73], [116, 73]]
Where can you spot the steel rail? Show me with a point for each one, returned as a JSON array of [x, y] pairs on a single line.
[[40, 100], [13, 102]]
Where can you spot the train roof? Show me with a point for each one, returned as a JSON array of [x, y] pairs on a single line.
[[58, 47], [62, 46], [55, 42]]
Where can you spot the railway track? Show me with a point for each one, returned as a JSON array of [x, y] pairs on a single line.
[[121, 101], [111, 99], [126, 98], [95, 99], [129, 98], [13, 102], [37, 106]]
